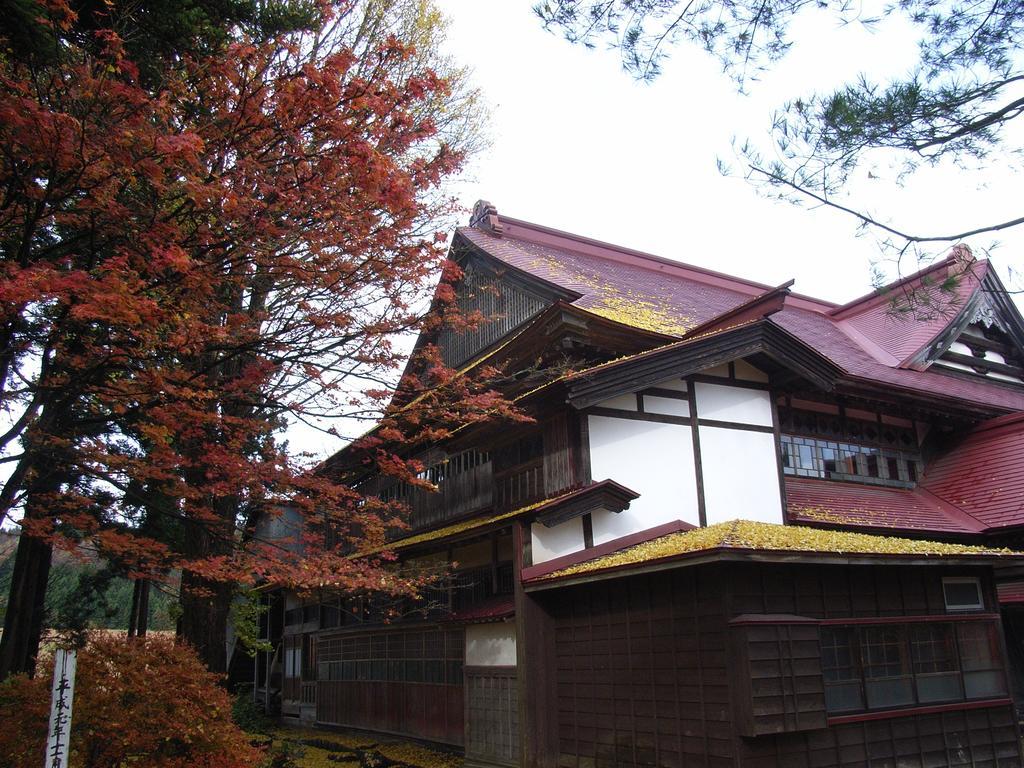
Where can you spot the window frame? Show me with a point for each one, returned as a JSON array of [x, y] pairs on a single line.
[[963, 608], [911, 656]]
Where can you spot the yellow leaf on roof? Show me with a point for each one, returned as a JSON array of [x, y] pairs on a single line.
[[748, 535], [639, 312], [465, 525]]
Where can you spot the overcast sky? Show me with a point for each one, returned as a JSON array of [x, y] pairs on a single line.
[[580, 146]]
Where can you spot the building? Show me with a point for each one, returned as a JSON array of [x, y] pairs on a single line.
[[746, 528]]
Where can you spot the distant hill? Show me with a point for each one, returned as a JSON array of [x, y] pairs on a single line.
[[65, 574]]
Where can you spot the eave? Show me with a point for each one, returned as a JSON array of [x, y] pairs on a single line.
[[691, 356], [569, 503], [733, 555]]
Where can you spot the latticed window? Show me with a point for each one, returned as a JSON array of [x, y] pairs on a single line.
[[827, 446], [888, 666], [887, 681], [844, 690], [407, 657]]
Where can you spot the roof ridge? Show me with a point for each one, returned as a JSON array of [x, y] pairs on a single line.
[[882, 293], [519, 229], [953, 508]]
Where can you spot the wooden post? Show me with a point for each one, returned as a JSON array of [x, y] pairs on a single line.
[[535, 660], [61, 700]]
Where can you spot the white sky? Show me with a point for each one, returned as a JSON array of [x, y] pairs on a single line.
[[580, 146]]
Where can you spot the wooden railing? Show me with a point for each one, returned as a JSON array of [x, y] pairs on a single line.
[[519, 486], [457, 496]]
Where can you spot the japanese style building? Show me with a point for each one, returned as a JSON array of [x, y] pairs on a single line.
[[745, 528]]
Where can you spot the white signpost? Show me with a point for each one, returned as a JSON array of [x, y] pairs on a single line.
[[57, 753]]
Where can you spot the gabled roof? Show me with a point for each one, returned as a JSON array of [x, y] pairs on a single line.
[[984, 474], [691, 355], [653, 293], [940, 293]]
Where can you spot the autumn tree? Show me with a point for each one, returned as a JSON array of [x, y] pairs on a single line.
[[165, 708], [196, 259], [959, 102]]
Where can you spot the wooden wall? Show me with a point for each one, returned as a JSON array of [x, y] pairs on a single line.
[[385, 683], [642, 673], [492, 715], [503, 306], [645, 675]]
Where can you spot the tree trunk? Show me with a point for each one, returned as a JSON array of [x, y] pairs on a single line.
[[204, 619], [133, 616], [26, 607], [142, 620]]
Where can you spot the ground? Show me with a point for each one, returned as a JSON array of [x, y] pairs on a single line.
[[315, 748]]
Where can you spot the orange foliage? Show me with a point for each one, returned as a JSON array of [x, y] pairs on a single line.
[[143, 701]]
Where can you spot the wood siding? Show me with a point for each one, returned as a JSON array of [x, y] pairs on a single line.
[[646, 672], [419, 710], [642, 673], [390, 691], [982, 738], [777, 678], [458, 495], [502, 305], [558, 459], [492, 715]]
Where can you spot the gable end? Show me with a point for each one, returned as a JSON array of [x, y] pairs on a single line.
[[503, 299], [986, 340]]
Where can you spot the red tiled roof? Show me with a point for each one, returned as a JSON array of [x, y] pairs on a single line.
[[857, 505], [893, 338], [647, 291], [491, 610], [984, 474]]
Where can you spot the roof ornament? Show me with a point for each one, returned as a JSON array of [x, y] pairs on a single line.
[[987, 315], [485, 217], [963, 258]]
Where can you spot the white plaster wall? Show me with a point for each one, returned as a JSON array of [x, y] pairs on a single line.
[[666, 405], [562, 539], [741, 475], [738, 404], [625, 402], [653, 459], [491, 645]]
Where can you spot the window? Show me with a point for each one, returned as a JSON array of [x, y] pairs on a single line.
[[406, 657], [843, 689], [890, 666], [935, 663], [814, 457], [962, 594], [843, 448], [887, 678], [980, 660]]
